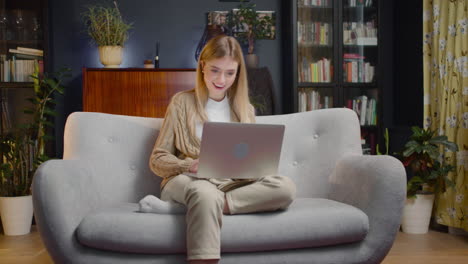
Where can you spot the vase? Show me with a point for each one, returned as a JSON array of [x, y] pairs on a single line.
[[110, 56], [16, 213], [251, 61], [417, 214]]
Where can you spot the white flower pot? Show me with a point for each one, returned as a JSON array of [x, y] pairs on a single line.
[[417, 214], [110, 56], [16, 213]]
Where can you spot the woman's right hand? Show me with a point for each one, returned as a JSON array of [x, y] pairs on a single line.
[[194, 167]]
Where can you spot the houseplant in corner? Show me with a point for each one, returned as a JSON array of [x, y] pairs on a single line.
[[22, 150], [248, 26], [108, 30], [422, 157]]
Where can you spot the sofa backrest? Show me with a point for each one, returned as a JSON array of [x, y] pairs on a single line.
[[118, 147], [313, 143]]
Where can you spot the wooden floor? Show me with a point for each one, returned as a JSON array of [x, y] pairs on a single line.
[[432, 248]]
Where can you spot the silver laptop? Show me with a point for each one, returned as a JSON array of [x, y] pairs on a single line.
[[239, 150]]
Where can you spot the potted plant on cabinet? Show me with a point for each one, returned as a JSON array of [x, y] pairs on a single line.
[[421, 156], [22, 150], [249, 26], [108, 30]]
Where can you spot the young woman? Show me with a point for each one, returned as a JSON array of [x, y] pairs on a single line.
[[221, 95]]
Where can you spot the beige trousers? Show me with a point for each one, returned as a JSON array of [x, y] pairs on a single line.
[[205, 203]]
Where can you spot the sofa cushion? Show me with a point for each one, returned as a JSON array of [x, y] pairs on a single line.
[[307, 223]]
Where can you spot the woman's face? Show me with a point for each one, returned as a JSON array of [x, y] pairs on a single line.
[[219, 75]]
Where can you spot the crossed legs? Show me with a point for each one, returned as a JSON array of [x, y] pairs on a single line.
[[206, 205]]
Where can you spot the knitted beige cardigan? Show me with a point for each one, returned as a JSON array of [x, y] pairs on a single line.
[[177, 144]]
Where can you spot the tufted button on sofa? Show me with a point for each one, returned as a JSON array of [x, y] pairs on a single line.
[[347, 210]]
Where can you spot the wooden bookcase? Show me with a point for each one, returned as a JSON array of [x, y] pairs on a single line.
[[339, 59], [133, 91]]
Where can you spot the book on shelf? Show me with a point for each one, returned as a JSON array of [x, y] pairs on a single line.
[[365, 108], [312, 100], [356, 3], [356, 69], [366, 41], [366, 148], [318, 71], [314, 3], [368, 142], [27, 51], [18, 70], [360, 33], [314, 33]]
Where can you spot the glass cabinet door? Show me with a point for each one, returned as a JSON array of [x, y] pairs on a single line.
[[22, 44], [360, 53], [315, 56], [360, 57], [21, 39]]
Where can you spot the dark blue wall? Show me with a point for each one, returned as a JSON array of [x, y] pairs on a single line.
[[177, 24]]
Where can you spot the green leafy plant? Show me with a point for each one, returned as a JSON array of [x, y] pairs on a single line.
[[248, 25], [22, 149], [105, 25], [421, 155], [387, 143]]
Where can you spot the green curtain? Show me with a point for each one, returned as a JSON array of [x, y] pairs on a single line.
[[445, 50]]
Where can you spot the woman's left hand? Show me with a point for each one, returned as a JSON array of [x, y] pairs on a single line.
[[194, 167]]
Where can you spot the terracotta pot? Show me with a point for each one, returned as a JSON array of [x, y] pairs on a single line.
[[110, 56], [16, 213], [417, 214]]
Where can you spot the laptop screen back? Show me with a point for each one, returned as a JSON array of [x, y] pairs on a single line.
[[239, 150]]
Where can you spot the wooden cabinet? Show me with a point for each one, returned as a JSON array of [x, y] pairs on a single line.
[[133, 91]]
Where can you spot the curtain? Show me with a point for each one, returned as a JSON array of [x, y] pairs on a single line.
[[445, 51]]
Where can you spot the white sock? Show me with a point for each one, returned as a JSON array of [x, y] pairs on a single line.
[[152, 204]]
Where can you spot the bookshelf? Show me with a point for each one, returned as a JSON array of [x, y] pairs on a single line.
[[23, 34], [336, 58]]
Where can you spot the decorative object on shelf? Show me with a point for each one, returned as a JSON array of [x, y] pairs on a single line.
[[249, 25], [36, 29], [211, 31], [421, 156], [19, 24], [108, 30], [148, 64], [22, 150], [110, 56], [5, 30], [156, 58]]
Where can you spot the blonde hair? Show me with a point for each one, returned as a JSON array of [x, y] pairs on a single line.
[[238, 94]]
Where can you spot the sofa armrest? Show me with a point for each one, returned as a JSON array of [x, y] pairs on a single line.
[[63, 194], [377, 186]]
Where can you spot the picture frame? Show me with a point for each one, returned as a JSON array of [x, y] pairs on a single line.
[[219, 18]]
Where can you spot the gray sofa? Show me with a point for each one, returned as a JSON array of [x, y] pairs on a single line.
[[347, 210]]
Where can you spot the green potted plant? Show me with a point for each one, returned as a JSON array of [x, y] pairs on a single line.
[[108, 30], [22, 150], [249, 26], [421, 156]]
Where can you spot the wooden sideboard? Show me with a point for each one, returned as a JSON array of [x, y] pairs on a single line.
[[133, 91]]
